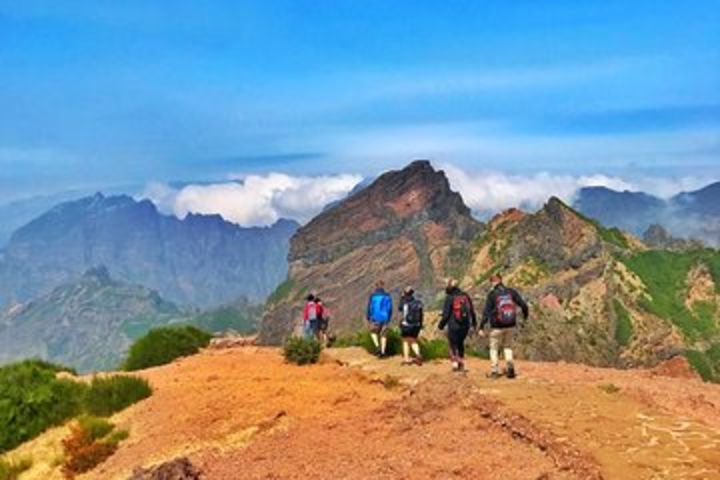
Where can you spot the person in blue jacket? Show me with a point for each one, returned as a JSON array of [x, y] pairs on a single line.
[[379, 314]]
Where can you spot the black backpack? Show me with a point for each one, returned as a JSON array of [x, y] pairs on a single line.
[[414, 317]]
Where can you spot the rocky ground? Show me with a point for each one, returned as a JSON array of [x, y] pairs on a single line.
[[242, 413]]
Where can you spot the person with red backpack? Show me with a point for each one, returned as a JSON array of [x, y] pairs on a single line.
[[458, 315], [312, 315], [501, 312]]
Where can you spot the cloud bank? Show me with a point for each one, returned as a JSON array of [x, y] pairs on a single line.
[[258, 200], [254, 200]]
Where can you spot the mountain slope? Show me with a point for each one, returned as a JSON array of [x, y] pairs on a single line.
[[407, 228], [87, 324], [201, 260], [599, 296]]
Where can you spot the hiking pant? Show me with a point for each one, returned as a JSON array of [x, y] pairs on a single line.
[[501, 337], [456, 340]]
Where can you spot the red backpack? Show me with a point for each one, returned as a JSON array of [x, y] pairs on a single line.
[[461, 308], [506, 309]]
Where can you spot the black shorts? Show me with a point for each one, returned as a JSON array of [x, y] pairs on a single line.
[[409, 331]]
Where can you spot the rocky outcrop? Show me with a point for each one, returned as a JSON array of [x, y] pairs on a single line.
[[656, 236], [408, 228]]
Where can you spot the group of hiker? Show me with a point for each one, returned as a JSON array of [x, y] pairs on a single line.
[[503, 306]]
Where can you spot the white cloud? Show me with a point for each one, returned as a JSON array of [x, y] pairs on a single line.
[[492, 191], [255, 200]]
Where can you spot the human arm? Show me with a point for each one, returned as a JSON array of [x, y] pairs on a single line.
[[488, 311], [447, 311], [520, 302]]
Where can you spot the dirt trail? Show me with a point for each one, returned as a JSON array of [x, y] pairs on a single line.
[[242, 413], [637, 425]]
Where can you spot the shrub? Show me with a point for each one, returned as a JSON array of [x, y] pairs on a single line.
[[609, 388], [394, 342], [302, 351], [163, 345], [91, 441], [11, 470], [623, 324], [108, 395], [32, 399], [434, 349]]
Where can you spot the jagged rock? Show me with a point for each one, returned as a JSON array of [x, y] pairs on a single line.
[[656, 236], [178, 469], [408, 227]]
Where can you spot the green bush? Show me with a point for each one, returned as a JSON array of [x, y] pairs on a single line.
[[301, 350], [163, 345], [107, 395], [623, 324], [434, 349], [32, 399], [11, 470], [95, 427], [364, 340], [701, 364]]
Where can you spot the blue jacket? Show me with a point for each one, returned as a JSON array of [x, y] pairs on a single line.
[[380, 307]]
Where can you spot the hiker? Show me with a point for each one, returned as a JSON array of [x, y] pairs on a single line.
[[312, 313], [459, 315], [379, 313], [501, 312], [323, 323], [411, 310]]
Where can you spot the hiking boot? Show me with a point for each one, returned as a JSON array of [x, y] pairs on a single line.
[[510, 373]]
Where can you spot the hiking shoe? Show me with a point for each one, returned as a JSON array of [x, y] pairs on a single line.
[[418, 361], [407, 362], [510, 373], [493, 375]]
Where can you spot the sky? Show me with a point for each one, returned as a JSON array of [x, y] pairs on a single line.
[[289, 94]]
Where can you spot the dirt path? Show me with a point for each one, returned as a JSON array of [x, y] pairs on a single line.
[[243, 413], [635, 424]]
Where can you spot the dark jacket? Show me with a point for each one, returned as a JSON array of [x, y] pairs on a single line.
[[406, 300], [490, 311], [447, 316]]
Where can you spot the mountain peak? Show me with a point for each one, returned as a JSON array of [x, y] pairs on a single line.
[[99, 274]]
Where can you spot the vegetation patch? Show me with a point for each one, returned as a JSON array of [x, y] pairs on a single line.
[[457, 261], [623, 324], [163, 345], [665, 274], [33, 399], [434, 349], [282, 292], [91, 441], [707, 363], [530, 273], [11, 469], [243, 320], [108, 395], [609, 388], [302, 350], [363, 339]]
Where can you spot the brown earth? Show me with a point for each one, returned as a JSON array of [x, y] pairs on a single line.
[[242, 413]]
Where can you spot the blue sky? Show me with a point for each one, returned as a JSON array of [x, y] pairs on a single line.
[[104, 93]]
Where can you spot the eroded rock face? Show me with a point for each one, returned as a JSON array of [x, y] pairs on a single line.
[[406, 228]]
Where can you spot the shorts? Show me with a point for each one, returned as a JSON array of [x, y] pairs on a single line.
[[378, 328], [322, 325], [409, 331]]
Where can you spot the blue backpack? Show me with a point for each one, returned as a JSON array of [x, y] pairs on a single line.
[[380, 307]]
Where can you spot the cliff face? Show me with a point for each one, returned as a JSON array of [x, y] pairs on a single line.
[[201, 260], [407, 228]]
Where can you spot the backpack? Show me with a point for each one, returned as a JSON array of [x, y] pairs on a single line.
[[380, 306], [312, 311], [461, 308], [413, 313], [506, 309]]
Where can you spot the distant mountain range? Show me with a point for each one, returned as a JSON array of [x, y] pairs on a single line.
[[201, 260], [693, 214]]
